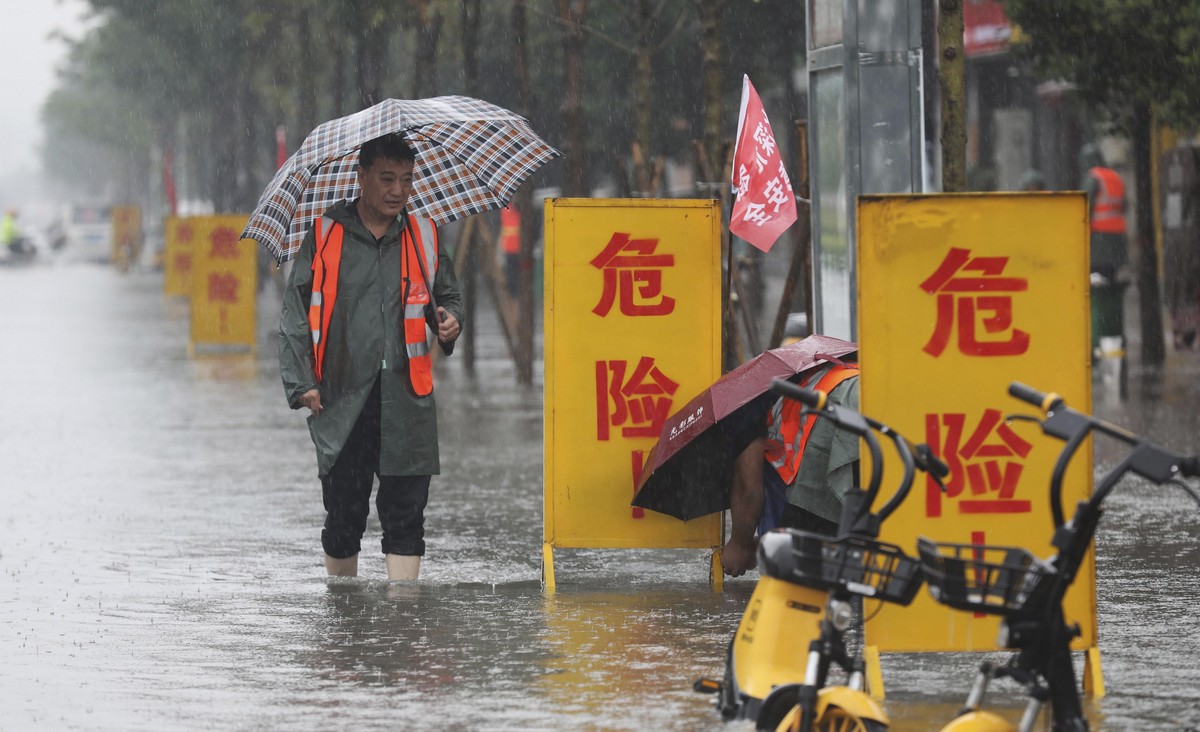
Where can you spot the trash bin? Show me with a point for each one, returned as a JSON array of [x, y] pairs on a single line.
[[1108, 312]]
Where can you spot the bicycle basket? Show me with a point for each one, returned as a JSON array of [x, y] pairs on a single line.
[[848, 563], [998, 580]]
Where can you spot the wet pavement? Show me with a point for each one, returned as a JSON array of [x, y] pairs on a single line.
[[160, 561]]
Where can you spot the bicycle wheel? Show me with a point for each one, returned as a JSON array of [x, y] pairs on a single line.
[[835, 719]]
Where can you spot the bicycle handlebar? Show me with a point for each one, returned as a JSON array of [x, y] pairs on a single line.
[[912, 456], [1191, 467], [807, 397], [846, 419], [1146, 459], [1042, 401]]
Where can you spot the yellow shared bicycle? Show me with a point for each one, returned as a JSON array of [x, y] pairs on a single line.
[[792, 632], [1027, 592]]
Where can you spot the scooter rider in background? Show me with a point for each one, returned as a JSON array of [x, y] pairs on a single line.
[[10, 235]]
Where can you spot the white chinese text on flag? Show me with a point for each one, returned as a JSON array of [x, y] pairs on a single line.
[[765, 205]]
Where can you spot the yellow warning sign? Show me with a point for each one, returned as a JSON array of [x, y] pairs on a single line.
[[223, 282], [959, 295], [126, 235], [178, 235], [632, 333]]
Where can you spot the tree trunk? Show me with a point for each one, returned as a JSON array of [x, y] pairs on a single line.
[[1150, 302], [523, 200], [224, 144], [306, 90], [469, 13], [250, 147], [643, 90], [372, 49], [337, 79], [362, 57], [710, 12], [429, 31], [800, 268], [951, 88], [573, 14]]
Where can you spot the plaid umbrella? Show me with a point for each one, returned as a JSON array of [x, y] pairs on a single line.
[[471, 157]]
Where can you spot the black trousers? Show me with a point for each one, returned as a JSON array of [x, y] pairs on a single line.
[[346, 491]]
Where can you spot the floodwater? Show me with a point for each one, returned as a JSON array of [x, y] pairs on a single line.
[[161, 564]]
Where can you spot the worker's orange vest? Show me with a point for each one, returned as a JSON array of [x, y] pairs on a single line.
[[510, 230], [788, 430], [325, 267], [1108, 203]]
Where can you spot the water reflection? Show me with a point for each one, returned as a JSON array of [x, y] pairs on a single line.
[[160, 561], [629, 658]]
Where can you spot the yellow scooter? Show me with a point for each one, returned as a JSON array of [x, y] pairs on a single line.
[[791, 633]]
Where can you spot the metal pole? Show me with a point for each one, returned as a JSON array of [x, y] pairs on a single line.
[[952, 88]]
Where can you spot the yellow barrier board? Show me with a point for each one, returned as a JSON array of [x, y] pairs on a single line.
[[223, 282], [958, 296], [126, 235], [178, 236], [632, 333]]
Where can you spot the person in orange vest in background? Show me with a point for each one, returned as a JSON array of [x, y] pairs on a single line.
[[510, 246], [789, 469], [353, 350], [1106, 206], [1109, 251]]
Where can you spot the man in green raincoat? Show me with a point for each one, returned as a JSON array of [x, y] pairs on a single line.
[[353, 351], [760, 499]]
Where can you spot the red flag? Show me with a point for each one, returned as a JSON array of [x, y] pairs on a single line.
[[281, 155], [765, 204], [168, 177]]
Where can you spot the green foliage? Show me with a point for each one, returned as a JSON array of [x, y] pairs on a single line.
[[1119, 52], [212, 79]]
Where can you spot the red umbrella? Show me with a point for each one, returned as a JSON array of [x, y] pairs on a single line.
[[688, 472]]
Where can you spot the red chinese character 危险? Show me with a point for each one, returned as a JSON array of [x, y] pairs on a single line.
[[973, 301], [632, 270], [223, 241], [639, 404], [222, 287], [987, 471]]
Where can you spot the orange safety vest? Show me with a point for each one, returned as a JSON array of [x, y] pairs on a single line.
[[786, 435], [510, 230], [326, 262], [1108, 203]]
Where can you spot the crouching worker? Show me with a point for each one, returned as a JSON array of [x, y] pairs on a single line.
[[790, 469], [353, 351]]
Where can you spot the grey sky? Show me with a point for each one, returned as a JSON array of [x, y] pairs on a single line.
[[28, 60]]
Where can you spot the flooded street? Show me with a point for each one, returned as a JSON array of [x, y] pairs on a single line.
[[160, 559]]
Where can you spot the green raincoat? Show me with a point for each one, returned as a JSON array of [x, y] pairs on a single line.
[[365, 340], [827, 468]]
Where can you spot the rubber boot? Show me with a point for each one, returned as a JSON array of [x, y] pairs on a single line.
[[347, 567], [403, 567]]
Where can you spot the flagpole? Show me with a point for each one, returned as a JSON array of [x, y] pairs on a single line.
[[730, 349]]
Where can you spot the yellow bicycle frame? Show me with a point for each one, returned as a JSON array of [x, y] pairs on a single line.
[[771, 645]]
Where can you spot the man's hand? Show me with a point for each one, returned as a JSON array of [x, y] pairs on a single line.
[[312, 400], [737, 557], [447, 326]]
